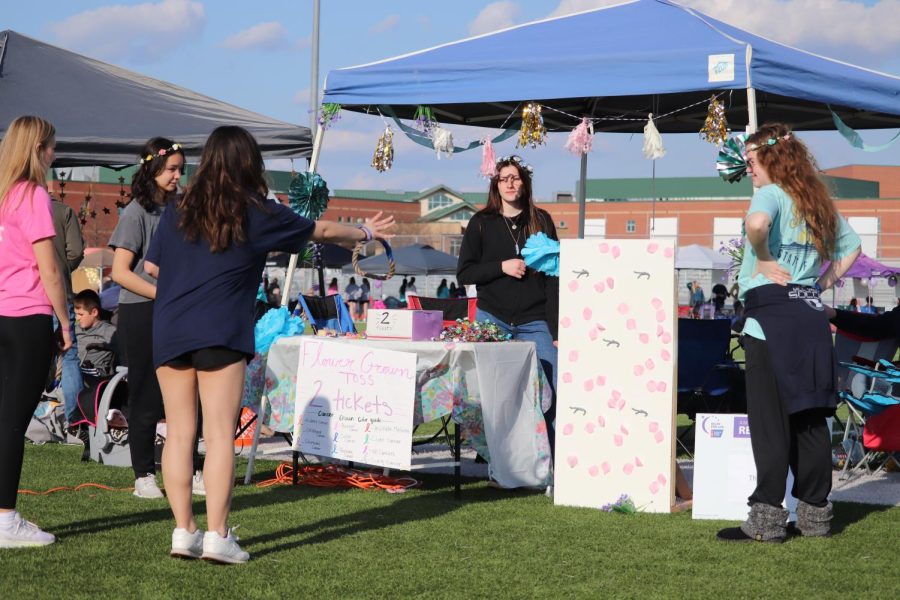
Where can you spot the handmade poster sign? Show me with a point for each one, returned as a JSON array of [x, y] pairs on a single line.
[[724, 472], [616, 385], [355, 402]]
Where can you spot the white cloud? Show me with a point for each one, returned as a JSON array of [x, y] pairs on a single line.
[[271, 36], [385, 24], [854, 29], [140, 33], [494, 16]]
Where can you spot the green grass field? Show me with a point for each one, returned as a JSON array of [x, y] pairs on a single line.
[[323, 543]]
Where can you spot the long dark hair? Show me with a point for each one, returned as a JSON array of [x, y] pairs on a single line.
[[790, 164], [229, 178], [143, 183], [533, 221]]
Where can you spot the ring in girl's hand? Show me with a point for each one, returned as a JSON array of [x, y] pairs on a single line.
[[392, 266]]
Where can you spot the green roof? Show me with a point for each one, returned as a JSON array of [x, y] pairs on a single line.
[[700, 188], [440, 213], [375, 195]]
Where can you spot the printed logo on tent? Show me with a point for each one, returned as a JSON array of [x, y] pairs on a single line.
[[721, 67]]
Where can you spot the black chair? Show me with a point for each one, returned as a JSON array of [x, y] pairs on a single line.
[[709, 380]]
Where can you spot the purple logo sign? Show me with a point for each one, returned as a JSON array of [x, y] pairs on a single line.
[[741, 427]]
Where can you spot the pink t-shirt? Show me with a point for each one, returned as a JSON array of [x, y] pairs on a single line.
[[24, 219]]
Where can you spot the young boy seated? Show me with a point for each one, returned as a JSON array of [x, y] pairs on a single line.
[[92, 330]]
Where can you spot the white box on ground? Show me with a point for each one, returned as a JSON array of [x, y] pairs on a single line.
[[724, 472], [392, 324]]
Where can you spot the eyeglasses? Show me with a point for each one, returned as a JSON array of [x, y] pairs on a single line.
[[510, 179]]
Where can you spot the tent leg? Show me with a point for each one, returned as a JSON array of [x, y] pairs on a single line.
[[752, 122], [292, 264], [582, 196]]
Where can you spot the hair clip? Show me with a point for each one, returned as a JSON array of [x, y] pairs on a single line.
[[173, 148]]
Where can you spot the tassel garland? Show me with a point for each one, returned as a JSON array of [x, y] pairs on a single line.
[[383, 158], [425, 120], [715, 128], [533, 132], [581, 139], [442, 140], [488, 159], [653, 145], [328, 114]]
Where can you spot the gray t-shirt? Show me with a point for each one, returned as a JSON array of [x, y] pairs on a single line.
[[134, 232]]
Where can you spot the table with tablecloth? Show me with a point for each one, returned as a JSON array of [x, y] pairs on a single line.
[[495, 392]]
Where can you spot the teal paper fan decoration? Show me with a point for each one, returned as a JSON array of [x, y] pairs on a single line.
[[731, 164], [308, 195]]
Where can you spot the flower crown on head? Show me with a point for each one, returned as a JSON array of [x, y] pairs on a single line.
[[769, 142], [516, 159], [173, 148]]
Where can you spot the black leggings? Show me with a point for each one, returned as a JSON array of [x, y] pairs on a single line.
[[145, 405], [26, 349]]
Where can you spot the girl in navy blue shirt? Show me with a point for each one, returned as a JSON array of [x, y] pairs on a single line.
[[208, 252]]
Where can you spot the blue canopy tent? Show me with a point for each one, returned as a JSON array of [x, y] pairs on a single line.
[[617, 65]]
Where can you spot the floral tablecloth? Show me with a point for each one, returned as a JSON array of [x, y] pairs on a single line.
[[495, 392]]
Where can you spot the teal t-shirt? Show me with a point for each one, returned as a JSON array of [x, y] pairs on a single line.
[[789, 243]]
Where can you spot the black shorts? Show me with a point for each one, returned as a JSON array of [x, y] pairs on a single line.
[[206, 359]]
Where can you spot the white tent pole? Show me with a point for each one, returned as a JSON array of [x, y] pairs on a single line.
[[752, 123], [292, 263]]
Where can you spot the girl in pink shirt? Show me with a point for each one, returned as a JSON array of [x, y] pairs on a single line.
[[31, 289]]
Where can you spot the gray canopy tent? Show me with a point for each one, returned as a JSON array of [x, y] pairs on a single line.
[[103, 114]]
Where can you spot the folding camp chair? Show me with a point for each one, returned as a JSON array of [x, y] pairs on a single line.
[[873, 422], [326, 312], [452, 308], [709, 380]]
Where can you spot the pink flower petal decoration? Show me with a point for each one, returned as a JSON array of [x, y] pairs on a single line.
[[630, 324], [661, 479], [669, 252], [618, 440], [650, 364], [610, 283], [588, 385], [665, 354], [573, 286], [620, 403], [572, 460], [568, 429], [567, 377], [623, 429], [593, 470], [593, 335], [589, 427], [628, 468], [645, 339], [652, 247], [651, 386], [573, 356], [657, 303], [661, 386], [623, 308], [666, 338], [638, 370], [604, 248], [616, 394], [659, 437], [654, 427], [587, 313], [606, 468], [654, 487], [599, 287], [565, 322], [601, 421], [601, 380], [616, 251], [638, 462], [660, 316]]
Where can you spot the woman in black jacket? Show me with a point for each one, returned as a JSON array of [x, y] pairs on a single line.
[[521, 301]]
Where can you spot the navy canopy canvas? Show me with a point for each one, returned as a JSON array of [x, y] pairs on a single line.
[[415, 259], [622, 61], [103, 114]]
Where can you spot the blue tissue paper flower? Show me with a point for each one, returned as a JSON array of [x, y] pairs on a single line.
[[542, 254], [276, 323]]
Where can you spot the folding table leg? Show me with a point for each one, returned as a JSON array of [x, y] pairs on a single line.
[[457, 471]]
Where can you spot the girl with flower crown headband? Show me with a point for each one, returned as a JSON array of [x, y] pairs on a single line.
[[521, 301], [223, 228], [791, 227], [153, 185]]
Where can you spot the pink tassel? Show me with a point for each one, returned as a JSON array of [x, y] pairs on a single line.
[[488, 159], [582, 138]]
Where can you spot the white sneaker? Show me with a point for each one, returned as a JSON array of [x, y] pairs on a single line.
[[186, 544], [198, 488], [146, 487], [223, 550], [19, 533]]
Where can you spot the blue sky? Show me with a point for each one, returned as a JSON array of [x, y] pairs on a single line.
[[257, 55]]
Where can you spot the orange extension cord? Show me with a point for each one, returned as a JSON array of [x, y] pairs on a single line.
[[332, 476], [65, 488], [326, 476]]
